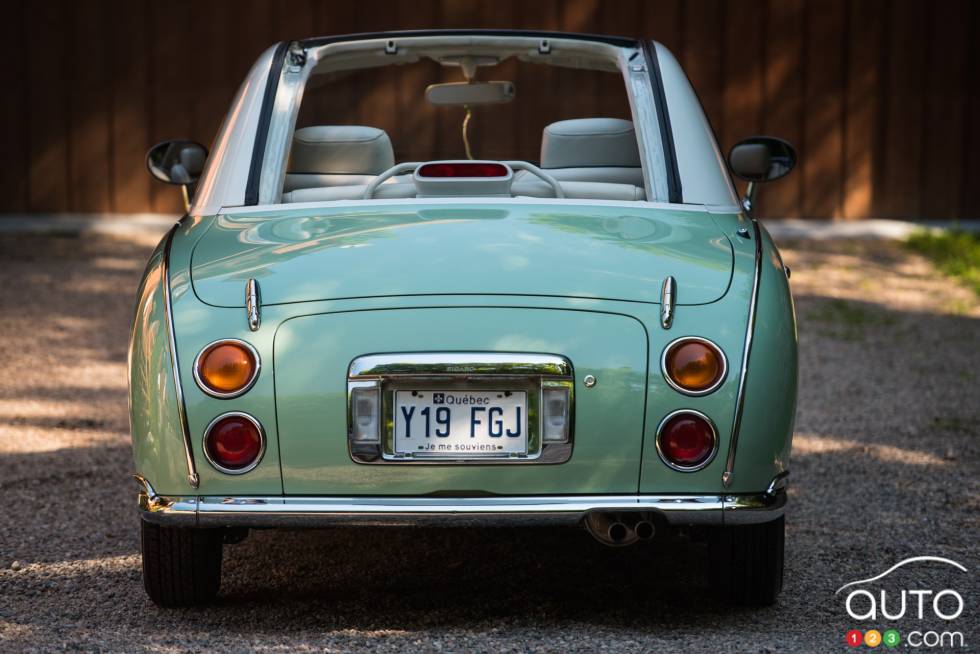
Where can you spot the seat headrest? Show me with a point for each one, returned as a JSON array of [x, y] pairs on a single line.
[[341, 149], [589, 142]]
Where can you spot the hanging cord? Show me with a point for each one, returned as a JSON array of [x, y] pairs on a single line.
[[466, 136]]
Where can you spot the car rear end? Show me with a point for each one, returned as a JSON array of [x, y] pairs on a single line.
[[471, 403], [381, 343]]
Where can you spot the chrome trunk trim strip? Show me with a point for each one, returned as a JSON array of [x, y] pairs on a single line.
[[420, 364], [729, 474], [192, 477]]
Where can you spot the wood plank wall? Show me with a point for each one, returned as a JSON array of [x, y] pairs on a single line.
[[879, 96]]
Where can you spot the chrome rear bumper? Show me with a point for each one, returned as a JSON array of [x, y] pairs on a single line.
[[210, 511]]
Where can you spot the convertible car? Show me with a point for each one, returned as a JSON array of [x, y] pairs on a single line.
[[465, 278]]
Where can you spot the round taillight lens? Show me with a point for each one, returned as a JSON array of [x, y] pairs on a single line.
[[686, 440], [234, 443], [226, 368], [694, 366]]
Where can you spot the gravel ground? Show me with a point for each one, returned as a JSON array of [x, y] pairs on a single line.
[[885, 466]]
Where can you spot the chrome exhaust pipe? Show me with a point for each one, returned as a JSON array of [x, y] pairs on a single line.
[[610, 529], [617, 532], [644, 530]]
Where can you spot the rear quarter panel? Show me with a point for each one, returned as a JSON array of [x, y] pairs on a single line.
[[765, 434], [771, 386], [158, 445]]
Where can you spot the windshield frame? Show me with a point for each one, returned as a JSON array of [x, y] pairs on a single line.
[[296, 62]]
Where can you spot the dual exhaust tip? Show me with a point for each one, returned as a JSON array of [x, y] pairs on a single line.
[[618, 530]]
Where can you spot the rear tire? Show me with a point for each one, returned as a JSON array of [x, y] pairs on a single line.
[[181, 566], [746, 563]]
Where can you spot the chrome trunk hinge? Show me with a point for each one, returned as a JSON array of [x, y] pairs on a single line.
[[252, 305], [668, 298]]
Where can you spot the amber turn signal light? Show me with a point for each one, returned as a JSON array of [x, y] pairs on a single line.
[[694, 366], [226, 368]]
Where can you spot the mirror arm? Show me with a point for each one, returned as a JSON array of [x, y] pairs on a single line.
[[749, 198], [185, 193]]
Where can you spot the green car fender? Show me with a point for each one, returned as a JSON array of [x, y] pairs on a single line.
[[769, 410], [155, 423], [756, 451]]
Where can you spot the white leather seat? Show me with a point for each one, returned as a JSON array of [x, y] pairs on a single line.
[[337, 155], [592, 150], [592, 158], [527, 187]]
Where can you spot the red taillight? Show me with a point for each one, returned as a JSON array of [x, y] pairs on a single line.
[[234, 443], [462, 169], [686, 440]]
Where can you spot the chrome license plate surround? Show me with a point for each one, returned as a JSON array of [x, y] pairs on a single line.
[[463, 372]]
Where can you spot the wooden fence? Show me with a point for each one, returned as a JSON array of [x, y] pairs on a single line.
[[879, 96]]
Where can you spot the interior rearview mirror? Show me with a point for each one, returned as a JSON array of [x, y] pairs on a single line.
[[761, 159], [176, 162], [469, 93]]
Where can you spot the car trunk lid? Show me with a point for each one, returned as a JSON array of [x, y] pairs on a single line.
[[312, 402], [585, 251]]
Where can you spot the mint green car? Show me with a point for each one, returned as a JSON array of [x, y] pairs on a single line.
[[365, 326]]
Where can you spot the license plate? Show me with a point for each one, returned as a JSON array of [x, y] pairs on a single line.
[[460, 424]]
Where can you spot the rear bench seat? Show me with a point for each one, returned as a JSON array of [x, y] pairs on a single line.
[[592, 158]]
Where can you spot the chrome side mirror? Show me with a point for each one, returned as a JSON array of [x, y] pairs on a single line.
[[177, 162], [759, 159]]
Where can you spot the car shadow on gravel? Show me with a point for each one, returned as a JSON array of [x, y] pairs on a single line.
[[409, 578]]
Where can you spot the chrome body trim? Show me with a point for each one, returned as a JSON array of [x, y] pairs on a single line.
[[416, 364], [668, 299], [570, 510], [697, 339], [234, 471], [531, 373], [244, 389], [703, 464], [192, 477], [252, 308], [779, 483], [728, 476]]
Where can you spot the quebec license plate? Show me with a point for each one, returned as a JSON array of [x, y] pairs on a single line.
[[460, 424]]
